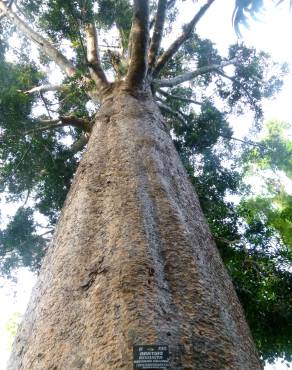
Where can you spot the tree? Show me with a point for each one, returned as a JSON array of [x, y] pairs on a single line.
[[11, 326], [260, 259], [132, 260]]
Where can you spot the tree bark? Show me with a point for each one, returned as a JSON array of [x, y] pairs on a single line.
[[132, 261]]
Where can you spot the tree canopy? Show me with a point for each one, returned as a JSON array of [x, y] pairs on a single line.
[[95, 44]]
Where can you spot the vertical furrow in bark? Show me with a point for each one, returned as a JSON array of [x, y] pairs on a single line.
[[132, 262], [189, 269]]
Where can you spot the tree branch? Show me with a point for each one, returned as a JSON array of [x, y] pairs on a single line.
[[157, 34], [9, 5], [221, 73], [24, 154], [227, 241], [62, 121], [118, 63], [76, 122], [170, 4], [248, 142], [122, 41], [78, 26], [168, 110], [47, 232], [52, 124], [186, 34], [171, 82], [177, 97], [42, 89], [42, 43], [95, 69], [80, 143], [139, 44]]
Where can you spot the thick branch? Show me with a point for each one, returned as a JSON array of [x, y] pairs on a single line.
[[93, 60], [52, 124], [187, 33], [76, 122], [84, 124], [139, 44], [62, 121], [46, 47], [80, 143], [171, 82], [157, 34]]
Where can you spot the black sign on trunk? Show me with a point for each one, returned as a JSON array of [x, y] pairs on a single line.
[[151, 357]]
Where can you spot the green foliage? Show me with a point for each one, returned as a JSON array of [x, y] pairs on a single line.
[[118, 12], [271, 159], [275, 210], [11, 327], [20, 246], [202, 51], [265, 291], [255, 76], [260, 262], [275, 151], [50, 176], [15, 108], [250, 81]]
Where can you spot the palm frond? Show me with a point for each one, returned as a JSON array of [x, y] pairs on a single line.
[[245, 10]]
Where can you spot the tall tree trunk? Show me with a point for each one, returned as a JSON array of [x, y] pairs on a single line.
[[132, 261]]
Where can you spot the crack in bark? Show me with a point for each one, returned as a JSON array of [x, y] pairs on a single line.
[[91, 277]]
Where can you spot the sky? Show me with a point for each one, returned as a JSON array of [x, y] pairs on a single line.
[[272, 34], [13, 299]]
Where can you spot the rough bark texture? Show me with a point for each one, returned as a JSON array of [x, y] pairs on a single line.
[[139, 37], [132, 262], [154, 47], [93, 59]]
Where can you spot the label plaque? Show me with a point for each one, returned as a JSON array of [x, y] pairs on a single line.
[[151, 357]]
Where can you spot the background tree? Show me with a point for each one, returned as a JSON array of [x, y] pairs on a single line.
[[11, 326], [188, 79], [260, 260]]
